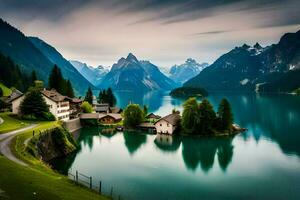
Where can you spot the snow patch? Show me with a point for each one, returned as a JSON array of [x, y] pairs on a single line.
[[244, 82], [292, 67]]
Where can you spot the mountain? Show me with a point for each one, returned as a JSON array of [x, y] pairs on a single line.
[[189, 69], [275, 68], [94, 75], [79, 83], [33, 54], [134, 75], [18, 47]]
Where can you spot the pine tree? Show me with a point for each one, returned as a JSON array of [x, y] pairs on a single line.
[[110, 97], [145, 110], [56, 80], [69, 89], [225, 116], [34, 105], [89, 96], [33, 77]]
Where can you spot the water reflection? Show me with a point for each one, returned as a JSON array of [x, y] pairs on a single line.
[[202, 151], [133, 141], [167, 142]]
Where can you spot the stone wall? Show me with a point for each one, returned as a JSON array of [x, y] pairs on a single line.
[[72, 125]]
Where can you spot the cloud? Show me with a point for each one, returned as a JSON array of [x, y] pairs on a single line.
[[164, 31]]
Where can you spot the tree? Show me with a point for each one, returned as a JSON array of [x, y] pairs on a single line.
[[145, 110], [107, 96], [207, 117], [56, 80], [225, 116], [190, 115], [111, 98], [69, 89], [133, 115], [11, 75], [35, 106], [33, 77], [1, 92], [86, 107], [89, 96]]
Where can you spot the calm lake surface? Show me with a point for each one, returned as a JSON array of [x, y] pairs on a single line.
[[262, 163]]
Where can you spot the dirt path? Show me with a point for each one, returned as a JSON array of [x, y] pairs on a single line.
[[5, 141]]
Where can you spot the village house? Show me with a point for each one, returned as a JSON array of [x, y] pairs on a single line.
[[75, 107], [152, 117], [108, 118], [58, 104], [167, 124]]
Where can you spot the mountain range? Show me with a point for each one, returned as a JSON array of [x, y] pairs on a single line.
[[31, 53], [131, 74], [274, 68], [92, 74], [183, 72]]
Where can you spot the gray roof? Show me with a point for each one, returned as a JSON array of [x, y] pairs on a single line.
[[152, 116], [14, 95], [102, 107], [171, 118]]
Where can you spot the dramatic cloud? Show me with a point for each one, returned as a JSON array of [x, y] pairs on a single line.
[[163, 31]]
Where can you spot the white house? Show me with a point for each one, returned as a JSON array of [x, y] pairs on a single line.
[[167, 124], [58, 104]]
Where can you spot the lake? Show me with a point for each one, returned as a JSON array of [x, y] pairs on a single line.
[[262, 163]]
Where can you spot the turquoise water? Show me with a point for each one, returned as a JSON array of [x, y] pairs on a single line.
[[262, 163]]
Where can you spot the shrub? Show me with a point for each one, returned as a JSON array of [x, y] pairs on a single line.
[[86, 107]]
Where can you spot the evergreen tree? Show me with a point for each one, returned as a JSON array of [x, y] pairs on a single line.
[[33, 77], [225, 116], [207, 117], [107, 96], [145, 110], [190, 116], [69, 89], [89, 96], [111, 98], [34, 105], [56, 80], [11, 75], [133, 115]]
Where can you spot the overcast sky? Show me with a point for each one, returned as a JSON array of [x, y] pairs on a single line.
[[166, 32]]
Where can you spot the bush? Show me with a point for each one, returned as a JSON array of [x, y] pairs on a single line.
[[86, 107], [48, 116]]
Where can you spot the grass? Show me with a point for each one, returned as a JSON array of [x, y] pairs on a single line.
[[11, 123], [37, 181], [6, 90]]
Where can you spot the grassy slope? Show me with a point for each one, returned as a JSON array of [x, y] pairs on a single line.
[[20, 182], [6, 90], [10, 123]]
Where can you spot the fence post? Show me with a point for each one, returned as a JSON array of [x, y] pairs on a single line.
[[91, 185], [100, 184], [111, 192], [76, 176]]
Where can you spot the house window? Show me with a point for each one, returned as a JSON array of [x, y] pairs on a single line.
[[167, 124], [160, 124]]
